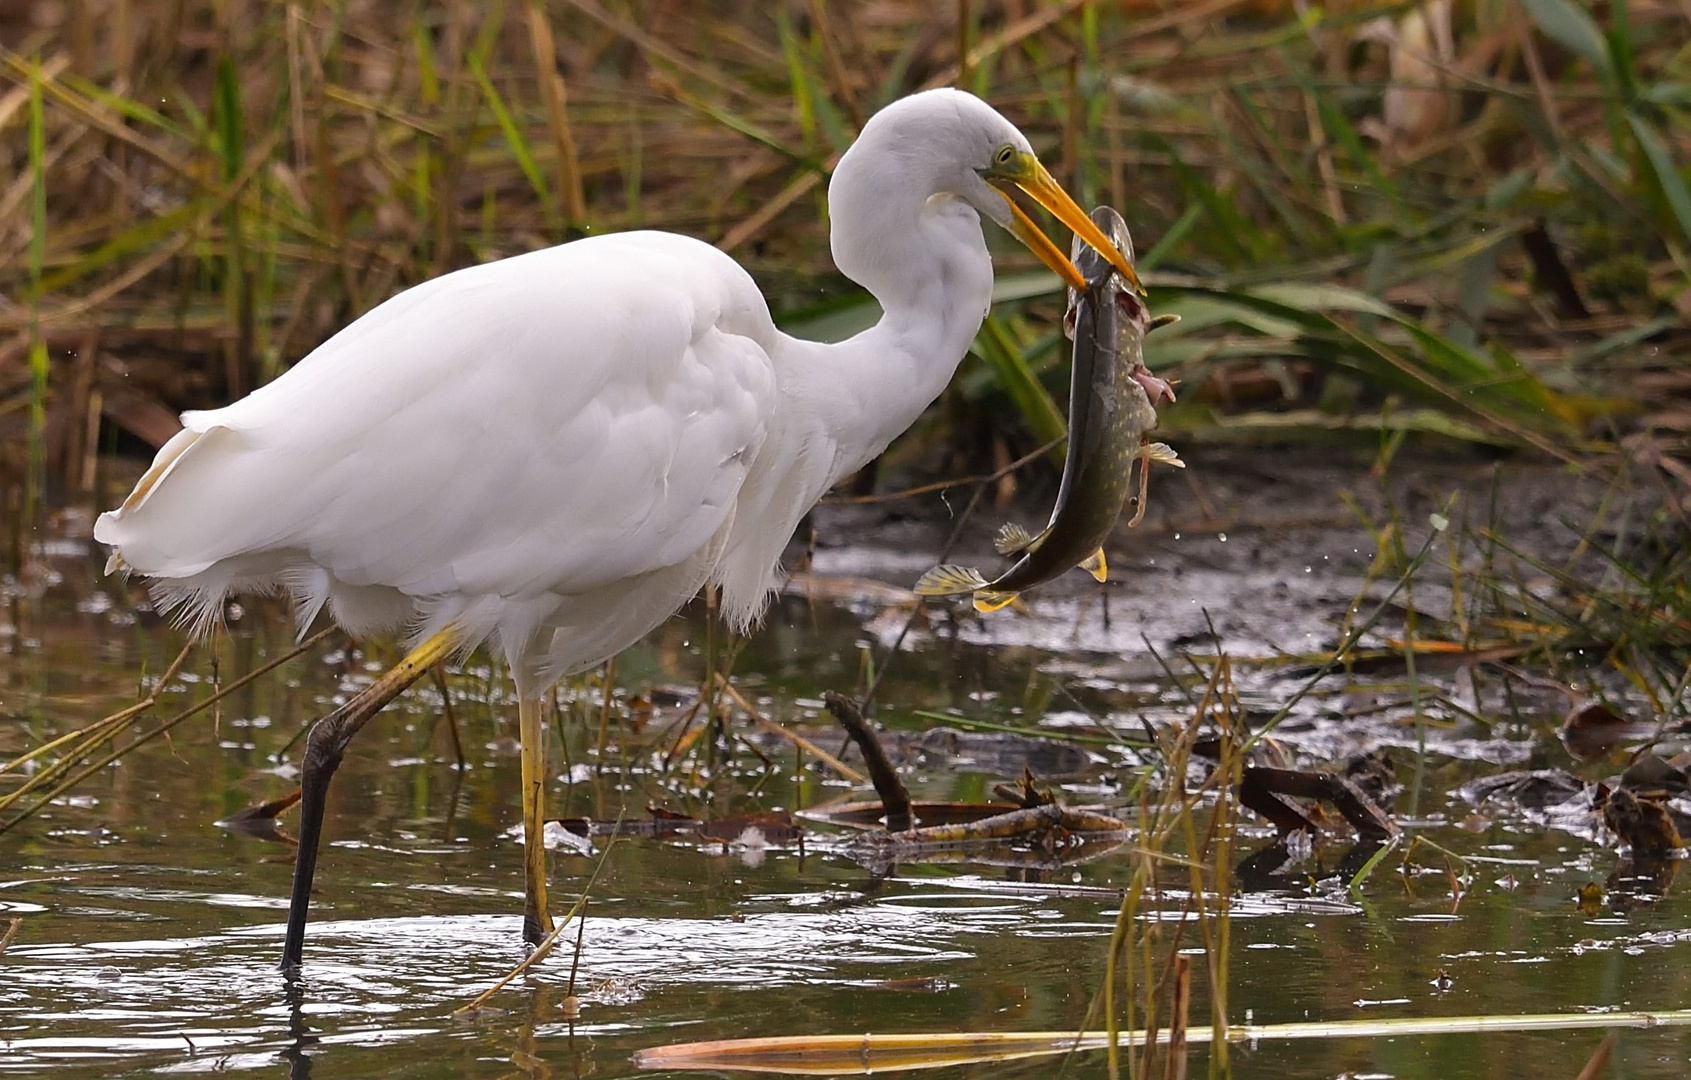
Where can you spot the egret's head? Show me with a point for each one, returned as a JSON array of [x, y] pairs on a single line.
[[1015, 172], [980, 157]]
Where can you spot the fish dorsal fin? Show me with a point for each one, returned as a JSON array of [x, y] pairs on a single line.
[[1095, 565], [1011, 539], [949, 580]]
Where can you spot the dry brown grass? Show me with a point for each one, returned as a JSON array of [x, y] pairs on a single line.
[[197, 193]]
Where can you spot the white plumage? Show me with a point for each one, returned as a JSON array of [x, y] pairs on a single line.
[[430, 464], [556, 451]]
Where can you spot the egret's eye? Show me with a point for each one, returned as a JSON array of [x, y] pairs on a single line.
[[1005, 155]]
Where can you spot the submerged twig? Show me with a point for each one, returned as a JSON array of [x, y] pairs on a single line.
[[439, 674], [1599, 1058], [894, 799], [1010, 825]]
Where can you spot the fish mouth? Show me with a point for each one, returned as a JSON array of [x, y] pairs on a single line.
[[1025, 176]]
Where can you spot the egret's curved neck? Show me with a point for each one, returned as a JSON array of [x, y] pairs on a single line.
[[926, 262], [923, 257]]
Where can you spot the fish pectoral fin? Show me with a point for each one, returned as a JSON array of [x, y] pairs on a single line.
[[988, 600], [1167, 319], [1162, 454], [1095, 565], [948, 580], [1011, 539]]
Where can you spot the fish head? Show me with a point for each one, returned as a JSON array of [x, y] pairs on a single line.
[[1092, 266], [1104, 280]]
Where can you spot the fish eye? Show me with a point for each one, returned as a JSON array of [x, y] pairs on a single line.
[[1005, 155]]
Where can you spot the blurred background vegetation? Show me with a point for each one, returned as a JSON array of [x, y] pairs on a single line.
[[1462, 221]]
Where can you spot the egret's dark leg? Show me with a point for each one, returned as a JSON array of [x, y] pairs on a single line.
[[323, 748], [537, 919]]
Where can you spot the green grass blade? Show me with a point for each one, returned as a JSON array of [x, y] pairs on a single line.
[[1025, 286], [1009, 363], [797, 83], [812, 100], [1311, 297], [140, 236], [1345, 135], [128, 108], [1668, 93], [1172, 238], [1665, 172], [196, 119], [1493, 387], [1622, 57], [737, 123], [1574, 29], [518, 145], [1233, 229], [428, 69]]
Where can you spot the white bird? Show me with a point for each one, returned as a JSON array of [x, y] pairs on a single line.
[[553, 452]]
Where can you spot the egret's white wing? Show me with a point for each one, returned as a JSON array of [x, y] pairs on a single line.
[[552, 422]]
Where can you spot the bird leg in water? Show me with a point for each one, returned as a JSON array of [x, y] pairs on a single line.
[[323, 749], [537, 919]]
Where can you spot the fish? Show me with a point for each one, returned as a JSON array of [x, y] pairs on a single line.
[[1112, 405]]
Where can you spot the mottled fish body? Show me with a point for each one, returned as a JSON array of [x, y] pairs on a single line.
[[1112, 405]]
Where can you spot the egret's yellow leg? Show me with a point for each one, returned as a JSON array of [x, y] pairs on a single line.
[[323, 748], [537, 920]]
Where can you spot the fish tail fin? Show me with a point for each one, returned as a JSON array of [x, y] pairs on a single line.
[[948, 580], [1162, 454], [1011, 539], [990, 600], [1095, 565]]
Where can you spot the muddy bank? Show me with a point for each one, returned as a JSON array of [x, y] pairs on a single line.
[[1269, 545]]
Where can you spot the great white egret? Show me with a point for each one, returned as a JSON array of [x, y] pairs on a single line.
[[553, 452]]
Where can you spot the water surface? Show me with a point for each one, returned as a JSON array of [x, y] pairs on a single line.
[[150, 935]]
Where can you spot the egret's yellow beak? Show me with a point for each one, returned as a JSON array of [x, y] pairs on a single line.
[[1023, 172]]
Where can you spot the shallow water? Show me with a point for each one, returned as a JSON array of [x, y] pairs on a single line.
[[150, 935]]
